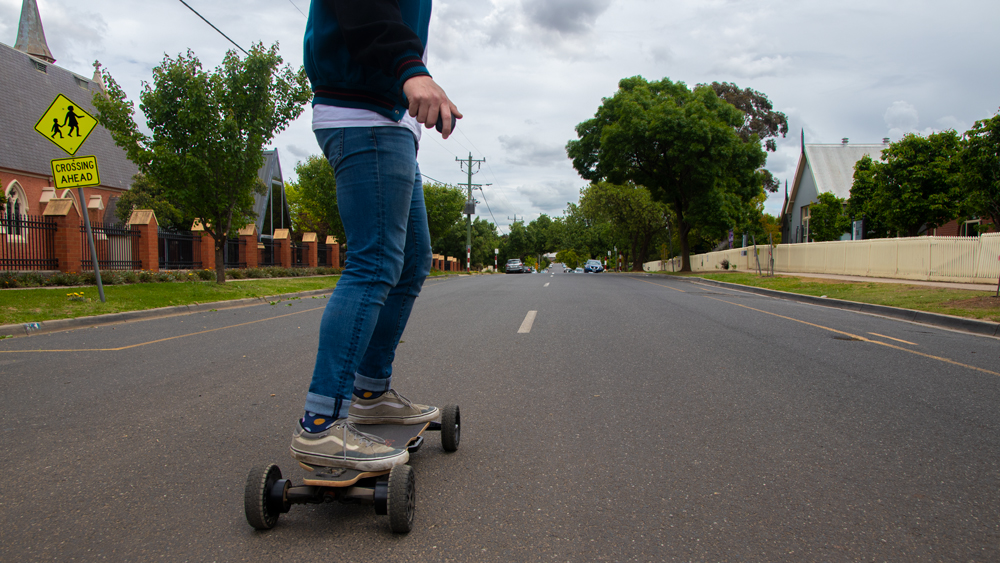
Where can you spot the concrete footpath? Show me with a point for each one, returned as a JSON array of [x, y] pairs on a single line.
[[946, 285]]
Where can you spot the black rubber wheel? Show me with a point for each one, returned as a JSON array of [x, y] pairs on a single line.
[[451, 428], [402, 499], [260, 481]]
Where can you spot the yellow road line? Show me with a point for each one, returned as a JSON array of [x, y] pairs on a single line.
[[163, 339], [660, 285], [891, 338], [862, 338]]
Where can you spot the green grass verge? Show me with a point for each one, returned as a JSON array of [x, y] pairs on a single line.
[[44, 304], [981, 305]]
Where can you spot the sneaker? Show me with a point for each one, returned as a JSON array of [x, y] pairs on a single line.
[[390, 408], [343, 445]]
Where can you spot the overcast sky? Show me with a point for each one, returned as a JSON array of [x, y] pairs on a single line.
[[525, 72]]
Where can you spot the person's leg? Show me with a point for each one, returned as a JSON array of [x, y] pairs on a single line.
[[374, 375], [374, 168]]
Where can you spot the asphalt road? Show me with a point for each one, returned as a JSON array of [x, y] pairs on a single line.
[[638, 418]]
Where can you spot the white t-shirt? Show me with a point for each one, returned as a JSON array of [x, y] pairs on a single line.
[[330, 117]]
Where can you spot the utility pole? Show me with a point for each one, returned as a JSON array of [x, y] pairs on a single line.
[[470, 206]]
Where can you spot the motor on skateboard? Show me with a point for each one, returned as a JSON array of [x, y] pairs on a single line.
[[268, 495]]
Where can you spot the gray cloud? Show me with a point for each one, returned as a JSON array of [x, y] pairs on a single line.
[[526, 151], [565, 16]]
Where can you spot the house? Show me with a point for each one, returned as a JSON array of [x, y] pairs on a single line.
[[31, 82], [821, 169]]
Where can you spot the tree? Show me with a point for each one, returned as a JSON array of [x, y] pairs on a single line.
[[860, 205], [917, 182], [569, 258], [208, 132], [313, 198], [145, 194], [980, 168], [827, 219], [633, 214], [444, 205], [760, 122], [678, 143]]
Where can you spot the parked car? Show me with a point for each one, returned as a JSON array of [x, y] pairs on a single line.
[[514, 266], [593, 266], [578, 271]]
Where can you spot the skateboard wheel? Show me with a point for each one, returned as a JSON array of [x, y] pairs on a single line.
[[258, 496], [451, 428], [401, 499]]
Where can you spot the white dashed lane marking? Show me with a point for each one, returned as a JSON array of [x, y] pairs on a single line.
[[529, 320]]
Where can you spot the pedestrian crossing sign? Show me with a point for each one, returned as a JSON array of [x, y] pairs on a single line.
[[66, 124]]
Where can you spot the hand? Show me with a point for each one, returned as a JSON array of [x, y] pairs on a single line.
[[428, 101]]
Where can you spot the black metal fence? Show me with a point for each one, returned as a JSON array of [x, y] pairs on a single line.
[[268, 255], [117, 248], [27, 243], [179, 250], [299, 259], [231, 256], [323, 255]]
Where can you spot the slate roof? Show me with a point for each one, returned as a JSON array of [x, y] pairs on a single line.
[[26, 92]]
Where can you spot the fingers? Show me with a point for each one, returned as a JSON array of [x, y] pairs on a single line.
[[429, 103]]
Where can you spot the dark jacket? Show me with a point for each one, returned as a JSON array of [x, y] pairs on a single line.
[[358, 53]]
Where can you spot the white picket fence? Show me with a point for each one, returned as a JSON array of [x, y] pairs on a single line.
[[958, 259]]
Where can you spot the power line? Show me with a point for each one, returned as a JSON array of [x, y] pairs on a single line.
[[296, 7], [215, 28]]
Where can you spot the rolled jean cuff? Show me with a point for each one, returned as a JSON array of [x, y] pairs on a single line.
[[372, 384], [328, 406]]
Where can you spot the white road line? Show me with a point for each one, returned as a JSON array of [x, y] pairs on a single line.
[[529, 320], [546, 284]]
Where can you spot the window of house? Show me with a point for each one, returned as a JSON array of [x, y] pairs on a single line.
[[12, 219]]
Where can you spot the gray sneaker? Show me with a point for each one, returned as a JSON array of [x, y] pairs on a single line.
[[343, 445], [390, 408]]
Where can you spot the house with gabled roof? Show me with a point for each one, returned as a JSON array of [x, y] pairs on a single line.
[[31, 81], [822, 168]]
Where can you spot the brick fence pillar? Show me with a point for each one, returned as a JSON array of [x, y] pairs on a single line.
[[68, 243], [249, 254], [283, 242], [310, 241], [144, 221], [334, 250], [207, 246]]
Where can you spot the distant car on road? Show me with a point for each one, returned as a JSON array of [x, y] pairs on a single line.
[[514, 266], [593, 266], [578, 271]]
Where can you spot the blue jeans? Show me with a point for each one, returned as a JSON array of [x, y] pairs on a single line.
[[381, 201]]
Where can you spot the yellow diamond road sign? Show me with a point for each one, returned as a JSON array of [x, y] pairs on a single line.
[[65, 124], [75, 172]]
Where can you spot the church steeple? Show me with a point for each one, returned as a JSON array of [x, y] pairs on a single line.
[[30, 35]]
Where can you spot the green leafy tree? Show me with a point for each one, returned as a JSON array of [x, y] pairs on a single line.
[[980, 168], [633, 214], [760, 122], [444, 212], [827, 219], [208, 132], [917, 182], [568, 257], [860, 205], [313, 199], [144, 194], [680, 144]]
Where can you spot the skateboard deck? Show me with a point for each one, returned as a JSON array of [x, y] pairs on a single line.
[[395, 435]]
